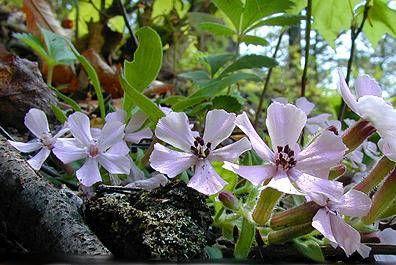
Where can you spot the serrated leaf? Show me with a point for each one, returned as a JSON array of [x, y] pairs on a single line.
[[258, 9], [217, 61], [216, 28], [233, 9], [147, 60], [57, 48], [245, 240], [228, 103], [280, 20], [250, 62], [310, 249], [133, 97], [254, 40]]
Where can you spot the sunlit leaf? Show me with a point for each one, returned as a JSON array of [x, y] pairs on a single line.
[[250, 62], [216, 28], [255, 40]]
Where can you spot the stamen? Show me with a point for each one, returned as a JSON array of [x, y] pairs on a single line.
[[285, 157], [200, 149]]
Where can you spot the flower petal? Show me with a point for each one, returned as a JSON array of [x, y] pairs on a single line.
[[137, 136], [62, 131], [36, 122], [353, 203], [114, 163], [112, 132], [242, 121], [230, 152], [305, 105], [26, 147], [326, 151], [80, 127], [170, 162], [346, 93], [345, 235], [136, 122], [313, 187], [282, 183], [284, 124], [38, 160], [365, 85], [174, 129], [119, 148], [89, 173], [321, 222], [388, 148], [205, 179], [219, 125], [68, 150], [255, 174], [118, 115]]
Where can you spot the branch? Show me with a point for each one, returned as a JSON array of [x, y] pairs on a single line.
[[307, 46], [134, 41]]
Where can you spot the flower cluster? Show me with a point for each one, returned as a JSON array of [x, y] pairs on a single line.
[[287, 167]]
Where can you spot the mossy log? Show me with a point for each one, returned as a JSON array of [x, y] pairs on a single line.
[[169, 223], [44, 219]]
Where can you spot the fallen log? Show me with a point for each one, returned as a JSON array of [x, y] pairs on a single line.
[[43, 218]]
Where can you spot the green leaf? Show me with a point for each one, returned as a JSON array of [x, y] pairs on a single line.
[[257, 9], [188, 102], [215, 86], [233, 9], [217, 61], [330, 17], [310, 249], [213, 253], [196, 18], [216, 28], [255, 40], [133, 97], [57, 48], [198, 76], [245, 240], [59, 114], [147, 62], [230, 177], [250, 62], [90, 70], [34, 43], [228, 103], [281, 20], [381, 20]]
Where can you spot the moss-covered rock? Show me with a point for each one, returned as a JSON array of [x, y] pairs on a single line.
[[168, 223]]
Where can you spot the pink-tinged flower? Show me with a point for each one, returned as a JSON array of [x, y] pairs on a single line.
[[314, 123], [289, 169], [133, 130], [37, 123], [387, 236], [107, 149], [195, 151], [330, 224]]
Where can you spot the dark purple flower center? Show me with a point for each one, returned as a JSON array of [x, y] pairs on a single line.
[[285, 158], [200, 149]]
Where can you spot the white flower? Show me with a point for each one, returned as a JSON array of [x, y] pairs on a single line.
[[37, 123], [106, 149]]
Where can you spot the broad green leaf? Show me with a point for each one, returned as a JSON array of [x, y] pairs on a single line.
[[34, 43], [381, 21], [217, 61], [281, 20], [164, 7], [230, 177], [233, 9], [257, 9], [245, 240], [330, 17], [255, 40], [90, 70], [147, 62], [57, 48], [196, 76], [249, 62], [117, 23], [215, 86], [213, 253], [133, 97], [216, 28], [228, 103], [310, 249], [59, 114], [196, 18]]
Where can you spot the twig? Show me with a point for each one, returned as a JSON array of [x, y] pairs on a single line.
[[354, 34], [134, 41], [115, 189], [267, 79], [307, 46]]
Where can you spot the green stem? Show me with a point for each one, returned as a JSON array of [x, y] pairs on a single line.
[[50, 72], [265, 205]]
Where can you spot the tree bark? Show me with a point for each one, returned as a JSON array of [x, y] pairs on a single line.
[[42, 218]]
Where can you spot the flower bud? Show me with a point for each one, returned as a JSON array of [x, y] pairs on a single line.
[[355, 135], [229, 200], [295, 216]]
